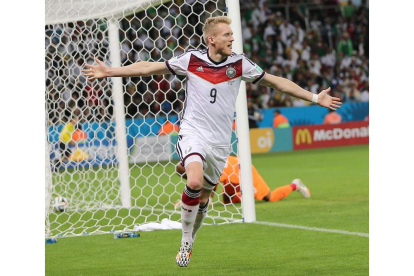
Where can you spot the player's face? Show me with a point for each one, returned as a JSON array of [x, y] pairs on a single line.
[[224, 39]]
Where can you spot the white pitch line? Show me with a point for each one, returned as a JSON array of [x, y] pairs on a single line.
[[312, 228]]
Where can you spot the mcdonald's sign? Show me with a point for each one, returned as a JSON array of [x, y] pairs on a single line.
[[303, 136], [320, 136]]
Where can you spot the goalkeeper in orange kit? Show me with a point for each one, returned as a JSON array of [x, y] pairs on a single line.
[[231, 184]]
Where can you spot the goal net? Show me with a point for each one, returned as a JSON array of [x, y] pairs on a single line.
[[107, 167]]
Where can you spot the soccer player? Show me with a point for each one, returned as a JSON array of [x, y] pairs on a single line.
[[213, 78], [230, 178]]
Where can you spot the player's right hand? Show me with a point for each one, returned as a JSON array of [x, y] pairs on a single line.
[[96, 71]]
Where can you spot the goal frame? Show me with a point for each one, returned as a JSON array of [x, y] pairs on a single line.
[[243, 136]]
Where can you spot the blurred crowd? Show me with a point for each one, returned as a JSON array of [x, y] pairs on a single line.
[[317, 44], [316, 47]]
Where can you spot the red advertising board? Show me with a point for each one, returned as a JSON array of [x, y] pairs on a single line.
[[320, 136]]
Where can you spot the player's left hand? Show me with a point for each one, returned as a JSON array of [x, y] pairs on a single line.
[[328, 101]]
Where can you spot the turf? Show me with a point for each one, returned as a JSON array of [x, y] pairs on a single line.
[[338, 179]]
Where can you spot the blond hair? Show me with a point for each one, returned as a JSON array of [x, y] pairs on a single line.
[[211, 23]]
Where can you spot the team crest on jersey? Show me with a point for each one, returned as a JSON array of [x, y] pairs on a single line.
[[231, 72]]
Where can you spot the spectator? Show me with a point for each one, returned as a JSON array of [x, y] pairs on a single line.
[[344, 61], [270, 29], [305, 51], [271, 103], [280, 46], [278, 18], [315, 24], [298, 102], [338, 92], [264, 96], [131, 107], [345, 45], [286, 32], [299, 32], [279, 120], [353, 95], [330, 58], [68, 139], [332, 118], [274, 69], [341, 26], [329, 40], [315, 65], [312, 86], [258, 16], [327, 32], [348, 10], [361, 46], [254, 114], [365, 94], [283, 100], [326, 78]]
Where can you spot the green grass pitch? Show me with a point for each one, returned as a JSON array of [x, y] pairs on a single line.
[[339, 182]]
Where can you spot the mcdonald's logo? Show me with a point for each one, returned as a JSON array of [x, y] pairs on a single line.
[[303, 136]]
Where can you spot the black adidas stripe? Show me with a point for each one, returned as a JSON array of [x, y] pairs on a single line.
[[191, 193]]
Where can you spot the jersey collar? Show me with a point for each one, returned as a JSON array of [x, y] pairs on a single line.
[[215, 62]]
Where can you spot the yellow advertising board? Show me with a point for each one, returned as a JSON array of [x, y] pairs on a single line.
[[261, 139]]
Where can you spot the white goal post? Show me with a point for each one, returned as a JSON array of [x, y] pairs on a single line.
[[118, 172]]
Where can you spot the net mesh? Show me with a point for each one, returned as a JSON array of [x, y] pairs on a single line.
[[80, 118]]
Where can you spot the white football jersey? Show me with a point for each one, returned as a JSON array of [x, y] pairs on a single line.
[[211, 91]]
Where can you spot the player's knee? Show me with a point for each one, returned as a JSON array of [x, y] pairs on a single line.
[[195, 183]]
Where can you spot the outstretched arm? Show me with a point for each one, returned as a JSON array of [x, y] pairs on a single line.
[[139, 69], [288, 87]]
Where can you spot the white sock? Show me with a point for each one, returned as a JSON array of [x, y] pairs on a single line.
[[188, 217], [201, 214]]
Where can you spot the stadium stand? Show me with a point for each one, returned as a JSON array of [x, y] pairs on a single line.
[[317, 44]]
